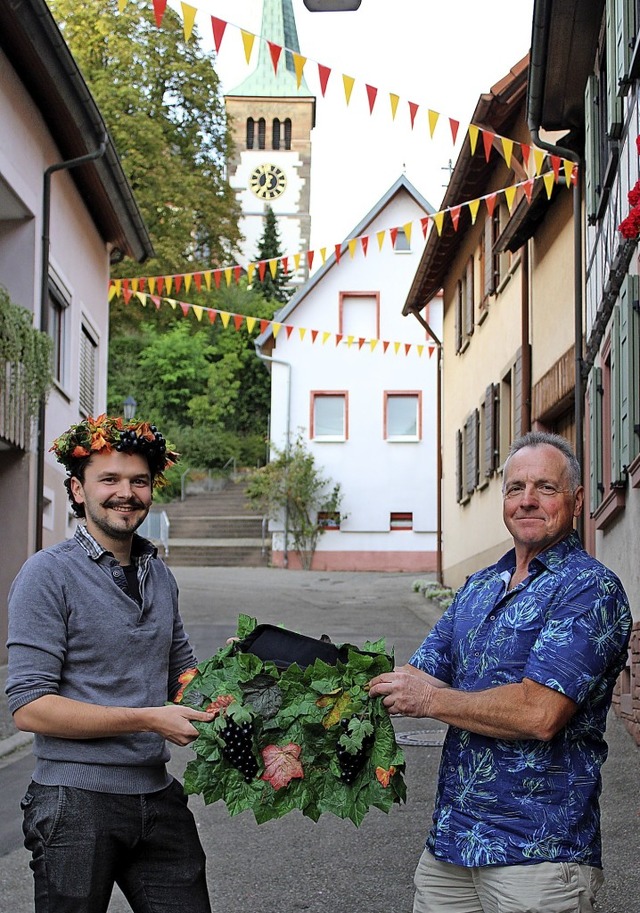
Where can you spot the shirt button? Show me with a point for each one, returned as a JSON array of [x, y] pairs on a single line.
[[117, 572], [492, 617]]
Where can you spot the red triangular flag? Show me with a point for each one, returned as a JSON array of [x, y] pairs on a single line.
[[339, 337], [178, 282], [323, 73], [454, 212], [197, 278], [309, 258], [314, 334], [393, 232], [338, 252], [218, 26], [275, 50], [237, 319], [361, 341], [407, 348], [528, 188], [126, 294], [364, 240], [237, 271], [125, 283], [431, 350], [212, 315], [555, 164], [491, 202], [159, 6], [262, 268], [141, 283], [454, 124], [371, 95], [385, 346], [413, 110], [424, 222], [156, 301], [285, 265], [487, 140], [263, 326], [526, 150], [185, 308], [217, 276], [160, 284], [289, 329]]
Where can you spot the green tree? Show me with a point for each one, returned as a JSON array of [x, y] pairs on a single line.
[[160, 98], [291, 487], [271, 286]]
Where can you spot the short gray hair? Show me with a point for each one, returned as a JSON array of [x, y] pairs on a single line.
[[537, 439]]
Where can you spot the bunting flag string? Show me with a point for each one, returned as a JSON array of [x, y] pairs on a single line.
[[504, 145], [165, 283], [238, 321]]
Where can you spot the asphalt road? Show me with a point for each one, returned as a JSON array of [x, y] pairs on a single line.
[[292, 864]]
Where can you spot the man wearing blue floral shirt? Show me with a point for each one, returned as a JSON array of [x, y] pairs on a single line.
[[522, 667]]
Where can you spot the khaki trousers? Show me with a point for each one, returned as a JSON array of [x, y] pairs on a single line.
[[546, 887]]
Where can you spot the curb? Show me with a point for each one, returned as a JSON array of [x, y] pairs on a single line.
[[14, 743]]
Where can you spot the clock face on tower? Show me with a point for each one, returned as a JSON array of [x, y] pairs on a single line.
[[267, 182]]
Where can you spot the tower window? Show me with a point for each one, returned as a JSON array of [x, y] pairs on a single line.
[[287, 133], [262, 129], [276, 133], [251, 129]]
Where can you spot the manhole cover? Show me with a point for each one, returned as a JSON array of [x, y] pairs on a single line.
[[424, 738]]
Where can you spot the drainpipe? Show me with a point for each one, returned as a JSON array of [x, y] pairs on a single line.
[[287, 365], [525, 342], [44, 315], [416, 313]]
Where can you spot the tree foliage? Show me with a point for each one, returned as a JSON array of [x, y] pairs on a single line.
[[291, 487], [273, 285]]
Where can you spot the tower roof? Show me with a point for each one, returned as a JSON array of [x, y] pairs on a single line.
[[279, 27]]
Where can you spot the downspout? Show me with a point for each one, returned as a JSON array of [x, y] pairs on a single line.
[[525, 343], [287, 365], [416, 313], [44, 315]]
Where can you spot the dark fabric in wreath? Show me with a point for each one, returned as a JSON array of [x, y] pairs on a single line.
[[283, 647]]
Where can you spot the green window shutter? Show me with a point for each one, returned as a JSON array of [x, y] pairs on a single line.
[[628, 361], [517, 396], [458, 465], [489, 430], [468, 298], [594, 394], [458, 316], [617, 474], [624, 31], [488, 278], [591, 147], [469, 442], [614, 103]]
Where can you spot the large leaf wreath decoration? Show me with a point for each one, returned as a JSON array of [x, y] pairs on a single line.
[[283, 739]]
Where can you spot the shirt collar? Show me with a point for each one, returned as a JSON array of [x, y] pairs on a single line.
[[550, 559], [141, 549]]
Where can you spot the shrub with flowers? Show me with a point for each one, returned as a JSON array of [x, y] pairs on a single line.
[[310, 739], [630, 227]]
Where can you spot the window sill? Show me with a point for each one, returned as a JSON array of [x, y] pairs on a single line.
[[634, 473], [612, 505], [328, 440], [404, 439]]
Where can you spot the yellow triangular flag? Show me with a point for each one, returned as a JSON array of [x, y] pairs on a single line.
[[197, 310], [251, 322], [172, 302], [142, 298], [348, 82], [168, 281], [474, 206], [207, 279], [394, 99], [189, 16], [473, 138], [350, 340], [247, 40], [549, 180], [276, 327], [373, 343], [298, 63], [433, 120], [352, 247], [380, 236], [135, 284], [225, 317], [438, 218], [396, 346], [302, 331], [507, 150], [510, 195], [228, 273], [251, 268], [407, 230], [152, 284], [323, 255], [325, 336], [112, 292], [273, 268], [296, 261], [538, 158], [187, 282], [568, 172], [420, 349]]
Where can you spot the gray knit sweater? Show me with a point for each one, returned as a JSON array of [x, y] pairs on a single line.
[[75, 631]]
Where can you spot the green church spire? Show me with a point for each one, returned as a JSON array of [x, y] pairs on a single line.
[[279, 27]]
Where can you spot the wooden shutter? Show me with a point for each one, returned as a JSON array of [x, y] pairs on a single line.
[[87, 378], [471, 453], [624, 35], [468, 299], [617, 474], [458, 316], [596, 483], [614, 103], [458, 465], [488, 283], [490, 429], [517, 395], [627, 383], [592, 148]]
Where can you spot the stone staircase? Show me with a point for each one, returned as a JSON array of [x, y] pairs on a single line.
[[216, 529]]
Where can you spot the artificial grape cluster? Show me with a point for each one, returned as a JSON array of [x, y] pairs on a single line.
[[351, 764], [238, 748], [129, 440]]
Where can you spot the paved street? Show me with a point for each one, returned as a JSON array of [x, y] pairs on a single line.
[[295, 865]]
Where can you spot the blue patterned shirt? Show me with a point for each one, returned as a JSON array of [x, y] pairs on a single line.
[[567, 626]]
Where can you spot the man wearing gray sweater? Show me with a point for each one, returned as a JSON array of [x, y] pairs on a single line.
[[96, 651]]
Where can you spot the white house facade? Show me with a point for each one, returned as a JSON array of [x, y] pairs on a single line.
[[358, 383]]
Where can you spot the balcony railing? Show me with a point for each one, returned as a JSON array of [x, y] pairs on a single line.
[[15, 424]]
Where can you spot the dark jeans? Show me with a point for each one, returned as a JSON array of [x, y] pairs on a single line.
[[83, 842]]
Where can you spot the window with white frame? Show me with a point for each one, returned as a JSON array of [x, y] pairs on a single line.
[[402, 244], [402, 416], [329, 416], [87, 372], [359, 315], [59, 301]]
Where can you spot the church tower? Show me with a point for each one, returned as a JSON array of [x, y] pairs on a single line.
[[271, 119]]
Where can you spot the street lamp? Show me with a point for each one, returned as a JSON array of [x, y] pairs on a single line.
[[130, 406]]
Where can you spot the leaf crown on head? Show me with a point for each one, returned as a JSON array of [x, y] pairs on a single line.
[[106, 433]]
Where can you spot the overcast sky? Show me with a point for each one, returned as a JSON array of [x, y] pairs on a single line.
[[439, 55]]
